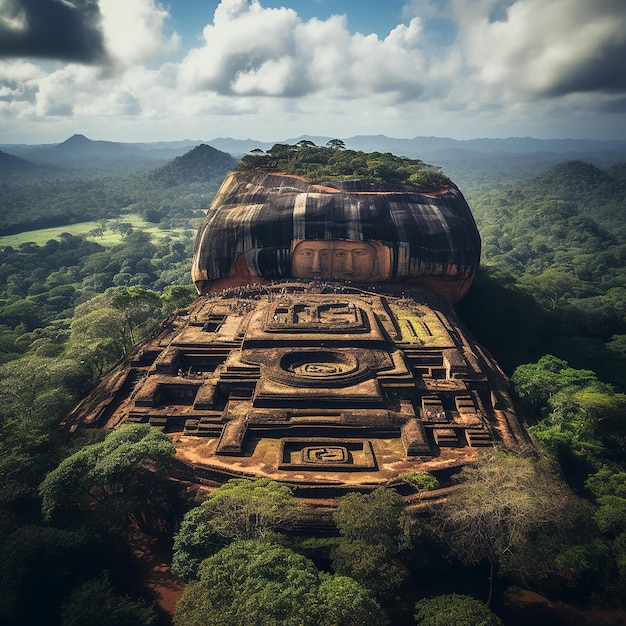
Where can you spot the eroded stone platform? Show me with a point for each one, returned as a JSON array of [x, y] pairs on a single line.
[[310, 383]]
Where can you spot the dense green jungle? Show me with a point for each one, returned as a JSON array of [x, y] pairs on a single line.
[[541, 537]]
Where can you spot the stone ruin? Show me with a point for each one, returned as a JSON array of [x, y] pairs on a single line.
[[323, 350]]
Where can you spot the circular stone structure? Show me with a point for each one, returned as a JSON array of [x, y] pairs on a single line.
[[319, 368], [265, 226]]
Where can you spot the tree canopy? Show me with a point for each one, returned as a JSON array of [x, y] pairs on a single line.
[[334, 162], [239, 509], [501, 505], [454, 608], [105, 472], [371, 526], [260, 582]]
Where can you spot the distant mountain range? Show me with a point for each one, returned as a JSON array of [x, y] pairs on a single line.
[[515, 156]]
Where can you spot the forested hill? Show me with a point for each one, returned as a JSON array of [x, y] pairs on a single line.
[[180, 189], [560, 240], [12, 164], [198, 165], [570, 217]]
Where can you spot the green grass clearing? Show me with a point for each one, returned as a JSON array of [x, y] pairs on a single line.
[[110, 237]]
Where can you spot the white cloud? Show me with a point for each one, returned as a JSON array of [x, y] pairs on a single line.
[[12, 17], [62, 90], [267, 73], [251, 50], [19, 70], [547, 48], [134, 30]]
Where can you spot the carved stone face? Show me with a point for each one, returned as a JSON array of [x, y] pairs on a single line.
[[346, 260]]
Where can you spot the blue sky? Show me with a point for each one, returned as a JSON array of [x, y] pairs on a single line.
[[149, 70]]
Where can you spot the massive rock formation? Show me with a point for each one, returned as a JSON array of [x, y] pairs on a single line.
[[266, 226], [323, 350]]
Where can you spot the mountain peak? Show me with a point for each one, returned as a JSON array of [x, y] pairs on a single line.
[[76, 139]]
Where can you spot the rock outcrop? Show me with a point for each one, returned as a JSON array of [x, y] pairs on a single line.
[[292, 366], [265, 226]]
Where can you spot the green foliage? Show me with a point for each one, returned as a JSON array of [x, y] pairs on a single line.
[[587, 563], [373, 565], [260, 582], [334, 162], [239, 509], [558, 240], [174, 192], [42, 286], [37, 393], [107, 472], [421, 481], [201, 164], [536, 383], [372, 529], [606, 482], [457, 609], [345, 602], [583, 419], [611, 514], [373, 517], [96, 603]]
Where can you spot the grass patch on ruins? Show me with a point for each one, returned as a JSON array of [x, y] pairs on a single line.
[[111, 235]]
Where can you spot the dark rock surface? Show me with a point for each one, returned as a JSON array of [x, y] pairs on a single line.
[[257, 224]]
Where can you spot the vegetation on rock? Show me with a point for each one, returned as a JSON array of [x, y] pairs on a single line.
[[334, 162]]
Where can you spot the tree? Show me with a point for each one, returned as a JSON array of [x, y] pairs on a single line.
[[260, 582], [239, 509], [96, 603], [584, 429], [552, 286], [39, 566], [371, 527], [347, 603], [536, 382], [457, 609], [100, 337], [177, 297], [373, 565], [502, 503], [372, 517], [109, 474], [421, 481], [336, 144]]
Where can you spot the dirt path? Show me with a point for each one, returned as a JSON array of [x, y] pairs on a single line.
[[151, 561]]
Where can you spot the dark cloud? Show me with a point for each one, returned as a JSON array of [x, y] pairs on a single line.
[[606, 71], [67, 30]]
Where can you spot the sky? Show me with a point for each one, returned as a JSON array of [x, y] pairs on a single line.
[[149, 70]]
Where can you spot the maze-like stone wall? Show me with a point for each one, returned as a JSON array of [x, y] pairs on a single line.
[[315, 383]]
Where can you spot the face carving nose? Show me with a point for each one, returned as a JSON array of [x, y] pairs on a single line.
[[316, 267]]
